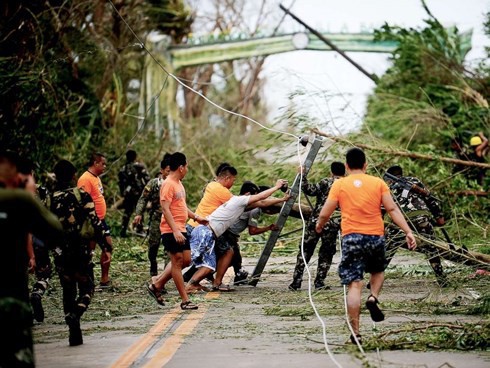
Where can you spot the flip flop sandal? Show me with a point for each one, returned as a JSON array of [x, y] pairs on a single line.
[[372, 306], [223, 288], [188, 305], [353, 340], [104, 286], [152, 290]]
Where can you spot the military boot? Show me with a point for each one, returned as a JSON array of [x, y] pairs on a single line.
[[82, 305], [37, 306], [295, 285], [36, 299], [73, 321]]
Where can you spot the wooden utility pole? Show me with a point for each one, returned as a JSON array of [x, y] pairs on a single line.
[[373, 77], [286, 209]]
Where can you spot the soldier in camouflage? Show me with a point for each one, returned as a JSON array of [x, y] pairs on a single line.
[[151, 194], [328, 235], [20, 215], [43, 269], [133, 177], [420, 210], [73, 259]]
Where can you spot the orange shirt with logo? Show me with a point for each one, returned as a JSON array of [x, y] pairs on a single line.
[[174, 192], [93, 185], [359, 197], [214, 196]]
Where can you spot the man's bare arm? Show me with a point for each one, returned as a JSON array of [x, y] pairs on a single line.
[[325, 214]]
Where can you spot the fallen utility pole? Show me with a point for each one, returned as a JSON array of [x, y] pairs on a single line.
[[285, 211], [373, 77]]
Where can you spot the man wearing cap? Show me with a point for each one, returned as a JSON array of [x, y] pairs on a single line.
[[479, 149]]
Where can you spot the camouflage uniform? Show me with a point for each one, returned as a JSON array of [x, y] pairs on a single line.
[[73, 259], [418, 210], [20, 214], [44, 269], [133, 177], [151, 193], [328, 235]]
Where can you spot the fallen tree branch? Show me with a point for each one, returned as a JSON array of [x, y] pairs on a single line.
[[405, 153], [434, 325]]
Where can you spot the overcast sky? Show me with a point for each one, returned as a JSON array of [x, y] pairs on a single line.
[[340, 89]]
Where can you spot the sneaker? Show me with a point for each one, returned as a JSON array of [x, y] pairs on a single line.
[[73, 321], [294, 286], [240, 277], [37, 307]]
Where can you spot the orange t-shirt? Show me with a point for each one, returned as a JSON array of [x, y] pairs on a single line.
[[359, 198], [92, 185], [174, 192], [214, 196]]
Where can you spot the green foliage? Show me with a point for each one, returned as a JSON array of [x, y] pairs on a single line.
[[426, 100], [171, 17], [434, 336], [426, 90]]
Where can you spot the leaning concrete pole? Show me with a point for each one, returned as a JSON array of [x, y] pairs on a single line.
[[286, 209]]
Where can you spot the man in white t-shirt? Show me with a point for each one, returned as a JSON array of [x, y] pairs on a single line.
[[203, 237], [247, 220]]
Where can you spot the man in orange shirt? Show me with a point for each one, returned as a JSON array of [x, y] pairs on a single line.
[[216, 192], [173, 230], [90, 182], [360, 197]]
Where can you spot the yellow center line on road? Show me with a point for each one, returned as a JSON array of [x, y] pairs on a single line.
[[172, 344], [147, 340]]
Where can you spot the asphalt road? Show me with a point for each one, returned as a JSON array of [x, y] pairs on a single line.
[[231, 330]]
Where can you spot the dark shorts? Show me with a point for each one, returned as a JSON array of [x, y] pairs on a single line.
[[361, 253], [225, 242], [171, 245]]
